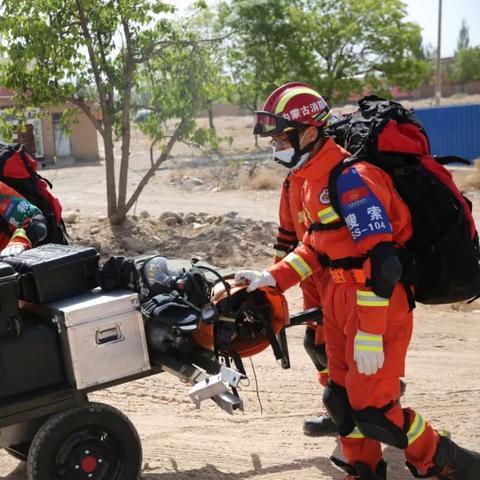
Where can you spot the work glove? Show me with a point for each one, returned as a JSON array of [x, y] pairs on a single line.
[[368, 352], [255, 279], [13, 249]]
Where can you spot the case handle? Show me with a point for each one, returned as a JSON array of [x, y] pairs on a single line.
[[109, 335]]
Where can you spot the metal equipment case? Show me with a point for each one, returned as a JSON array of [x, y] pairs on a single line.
[[103, 337]]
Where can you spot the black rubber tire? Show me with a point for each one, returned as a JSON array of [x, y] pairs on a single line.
[[65, 445]]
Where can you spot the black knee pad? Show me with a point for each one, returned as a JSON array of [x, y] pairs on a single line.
[[373, 423], [316, 353], [336, 402]]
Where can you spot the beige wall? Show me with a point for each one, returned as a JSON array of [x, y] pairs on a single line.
[[83, 139]]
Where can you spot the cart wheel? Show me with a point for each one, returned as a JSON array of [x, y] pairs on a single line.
[[92, 442]]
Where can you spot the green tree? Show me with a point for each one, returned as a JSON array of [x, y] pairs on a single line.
[[350, 45], [467, 65], [259, 53], [94, 55], [339, 46], [463, 36]]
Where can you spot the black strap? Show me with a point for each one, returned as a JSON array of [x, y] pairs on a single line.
[[347, 263], [324, 227], [288, 233], [451, 159]]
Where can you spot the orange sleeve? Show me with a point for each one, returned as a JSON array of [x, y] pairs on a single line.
[[286, 239], [295, 267]]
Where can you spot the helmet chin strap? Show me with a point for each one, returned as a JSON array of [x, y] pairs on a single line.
[[294, 140]]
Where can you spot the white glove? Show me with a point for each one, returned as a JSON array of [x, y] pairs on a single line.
[[255, 278], [12, 250], [368, 352]]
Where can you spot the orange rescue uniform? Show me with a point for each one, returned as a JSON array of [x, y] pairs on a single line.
[[292, 228], [373, 213]]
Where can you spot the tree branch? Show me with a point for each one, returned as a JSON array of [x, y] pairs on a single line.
[[80, 103], [92, 55], [151, 171]]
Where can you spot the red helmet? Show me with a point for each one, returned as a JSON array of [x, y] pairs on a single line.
[[245, 315], [291, 106]]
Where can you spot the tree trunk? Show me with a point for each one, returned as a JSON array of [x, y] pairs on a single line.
[[126, 129], [110, 170], [210, 118]]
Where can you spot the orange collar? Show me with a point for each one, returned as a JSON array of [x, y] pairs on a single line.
[[329, 156]]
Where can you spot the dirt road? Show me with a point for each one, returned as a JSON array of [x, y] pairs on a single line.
[[181, 443]]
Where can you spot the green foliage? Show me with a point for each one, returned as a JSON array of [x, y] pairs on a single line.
[[259, 52], [467, 65], [105, 55], [463, 36], [338, 46]]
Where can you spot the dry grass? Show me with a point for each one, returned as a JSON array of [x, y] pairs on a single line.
[[263, 180]]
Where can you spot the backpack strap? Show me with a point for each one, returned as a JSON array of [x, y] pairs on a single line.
[[451, 159], [347, 263], [323, 227]]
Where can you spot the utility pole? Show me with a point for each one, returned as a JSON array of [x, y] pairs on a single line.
[[438, 87]]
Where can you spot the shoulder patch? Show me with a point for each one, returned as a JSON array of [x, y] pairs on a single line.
[[364, 214], [324, 197]]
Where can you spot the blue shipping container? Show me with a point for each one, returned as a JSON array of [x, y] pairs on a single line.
[[452, 130]]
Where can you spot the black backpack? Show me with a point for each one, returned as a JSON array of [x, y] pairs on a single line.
[[442, 258], [18, 169]]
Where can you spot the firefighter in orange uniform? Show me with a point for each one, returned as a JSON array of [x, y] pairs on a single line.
[[367, 318], [22, 224], [290, 232]]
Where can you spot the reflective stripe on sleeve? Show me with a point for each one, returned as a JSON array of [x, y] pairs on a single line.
[[327, 215], [416, 428], [369, 299], [367, 342], [356, 433], [299, 265]]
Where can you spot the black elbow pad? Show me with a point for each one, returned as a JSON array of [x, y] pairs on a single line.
[[387, 269], [37, 230]]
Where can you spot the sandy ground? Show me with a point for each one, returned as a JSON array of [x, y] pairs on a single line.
[[182, 443]]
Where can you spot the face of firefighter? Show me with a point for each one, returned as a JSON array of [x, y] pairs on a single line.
[[283, 150]]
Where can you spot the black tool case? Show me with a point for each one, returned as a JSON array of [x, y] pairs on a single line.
[[32, 360], [54, 272], [9, 315]]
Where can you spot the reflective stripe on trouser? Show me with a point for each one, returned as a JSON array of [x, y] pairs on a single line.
[[341, 322], [299, 265], [366, 298]]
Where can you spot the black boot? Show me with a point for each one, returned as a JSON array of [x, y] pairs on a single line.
[[403, 387], [360, 471], [452, 462], [321, 426]]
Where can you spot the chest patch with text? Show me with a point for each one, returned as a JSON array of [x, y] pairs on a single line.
[[363, 212]]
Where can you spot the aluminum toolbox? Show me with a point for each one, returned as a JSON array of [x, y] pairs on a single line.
[[53, 272], [103, 337]]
